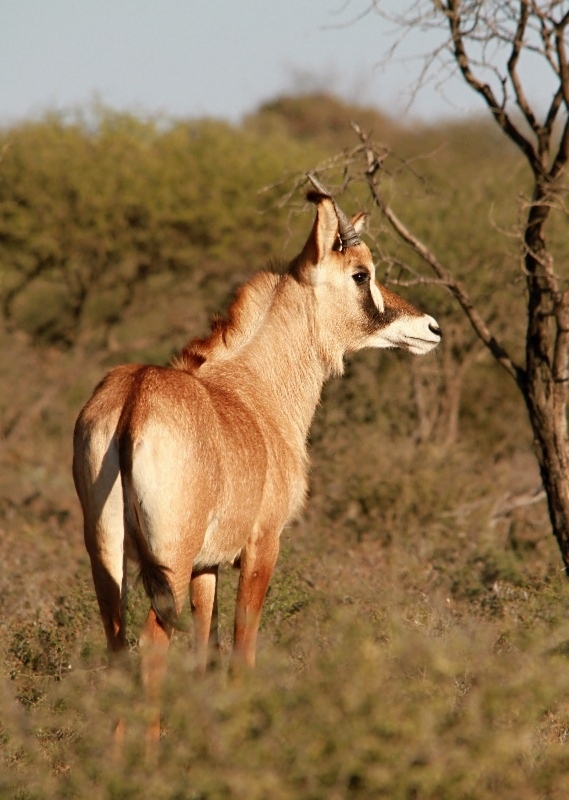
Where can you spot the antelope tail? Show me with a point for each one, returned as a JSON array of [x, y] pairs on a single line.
[[154, 578]]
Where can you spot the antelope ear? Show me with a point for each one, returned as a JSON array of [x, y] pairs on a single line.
[[322, 240], [359, 221]]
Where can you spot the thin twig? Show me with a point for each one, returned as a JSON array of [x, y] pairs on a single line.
[[454, 286]]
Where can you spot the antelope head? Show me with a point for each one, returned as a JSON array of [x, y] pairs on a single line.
[[353, 309]]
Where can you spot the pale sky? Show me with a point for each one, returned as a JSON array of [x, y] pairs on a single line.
[[193, 58]]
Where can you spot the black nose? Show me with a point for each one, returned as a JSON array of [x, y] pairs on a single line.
[[436, 330]]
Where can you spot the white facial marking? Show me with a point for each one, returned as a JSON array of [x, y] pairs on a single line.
[[377, 297], [417, 335]]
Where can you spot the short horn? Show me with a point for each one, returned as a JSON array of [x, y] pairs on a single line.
[[348, 235]]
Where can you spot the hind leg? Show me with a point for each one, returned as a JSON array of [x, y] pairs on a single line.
[[203, 599], [111, 595], [105, 545], [108, 567], [258, 561], [154, 643], [96, 477]]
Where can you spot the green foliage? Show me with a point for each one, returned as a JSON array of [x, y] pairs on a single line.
[[91, 208]]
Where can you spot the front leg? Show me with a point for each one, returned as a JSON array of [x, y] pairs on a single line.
[[258, 561], [203, 601]]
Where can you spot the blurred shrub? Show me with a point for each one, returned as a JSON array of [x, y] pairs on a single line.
[[91, 207], [438, 711]]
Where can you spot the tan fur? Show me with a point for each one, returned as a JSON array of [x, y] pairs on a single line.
[[204, 462]]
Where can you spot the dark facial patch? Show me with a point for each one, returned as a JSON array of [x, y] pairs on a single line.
[[394, 307], [374, 318], [398, 304]]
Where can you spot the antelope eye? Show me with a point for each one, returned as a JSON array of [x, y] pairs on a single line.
[[361, 277]]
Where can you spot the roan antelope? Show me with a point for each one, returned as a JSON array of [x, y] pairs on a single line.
[[185, 467]]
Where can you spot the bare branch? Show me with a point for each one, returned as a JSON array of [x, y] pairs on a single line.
[[511, 502], [454, 286], [561, 51], [563, 150], [484, 90], [419, 281], [517, 45], [561, 355], [562, 153], [553, 109]]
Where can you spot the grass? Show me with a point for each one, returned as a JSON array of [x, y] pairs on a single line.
[[414, 642], [412, 700]]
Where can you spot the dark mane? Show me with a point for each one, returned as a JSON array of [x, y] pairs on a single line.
[[228, 334]]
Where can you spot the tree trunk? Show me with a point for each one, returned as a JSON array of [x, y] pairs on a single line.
[[545, 380], [550, 447]]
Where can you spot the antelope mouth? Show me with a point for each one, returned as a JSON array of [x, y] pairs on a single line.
[[425, 340], [419, 346]]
